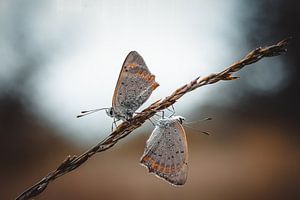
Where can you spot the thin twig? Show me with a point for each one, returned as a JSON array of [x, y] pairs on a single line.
[[72, 162]]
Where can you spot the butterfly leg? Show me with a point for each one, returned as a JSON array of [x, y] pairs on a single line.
[[114, 123], [163, 114], [172, 111]]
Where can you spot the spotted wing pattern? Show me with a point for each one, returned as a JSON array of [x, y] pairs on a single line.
[[166, 152], [135, 85]]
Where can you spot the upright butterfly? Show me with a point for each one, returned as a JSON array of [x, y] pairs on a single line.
[[134, 86], [166, 152]]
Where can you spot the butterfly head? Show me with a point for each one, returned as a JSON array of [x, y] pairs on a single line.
[[110, 112], [179, 118]]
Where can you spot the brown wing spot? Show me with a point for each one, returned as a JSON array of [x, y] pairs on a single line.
[[145, 159], [161, 167], [154, 85], [167, 169], [132, 65], [148, 78], [151, 161], [173, 168], [154, 165]]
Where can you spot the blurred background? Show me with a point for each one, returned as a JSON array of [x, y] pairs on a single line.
[[62, 56]]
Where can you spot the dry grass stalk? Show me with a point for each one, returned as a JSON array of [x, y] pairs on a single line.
[[72, 162]]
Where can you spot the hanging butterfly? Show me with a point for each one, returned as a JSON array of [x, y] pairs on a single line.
[[166, 152]]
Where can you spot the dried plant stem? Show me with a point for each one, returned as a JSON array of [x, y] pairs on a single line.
[[72, 162]]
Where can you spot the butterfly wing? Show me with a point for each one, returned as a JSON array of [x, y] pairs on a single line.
[[135, 85], [166, 153]]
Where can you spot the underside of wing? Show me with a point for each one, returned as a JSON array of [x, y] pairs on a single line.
[[134, 58], [134, 86], [165, 154]]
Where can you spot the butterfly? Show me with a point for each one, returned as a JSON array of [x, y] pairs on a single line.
[[166, 152], [134, 86]]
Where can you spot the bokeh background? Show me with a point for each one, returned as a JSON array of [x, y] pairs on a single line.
[[62, 56]]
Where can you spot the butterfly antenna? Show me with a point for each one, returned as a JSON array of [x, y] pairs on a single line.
[[172, 111], [87, 112], [204, 132], [201, 120]]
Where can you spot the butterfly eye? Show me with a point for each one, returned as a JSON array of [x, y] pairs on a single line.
[[180, 120], [110, 112]]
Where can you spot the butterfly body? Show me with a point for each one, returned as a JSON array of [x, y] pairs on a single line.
[[166, 152]]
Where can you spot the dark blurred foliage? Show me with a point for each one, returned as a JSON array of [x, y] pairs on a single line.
[[253, 153], [276, 19]]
